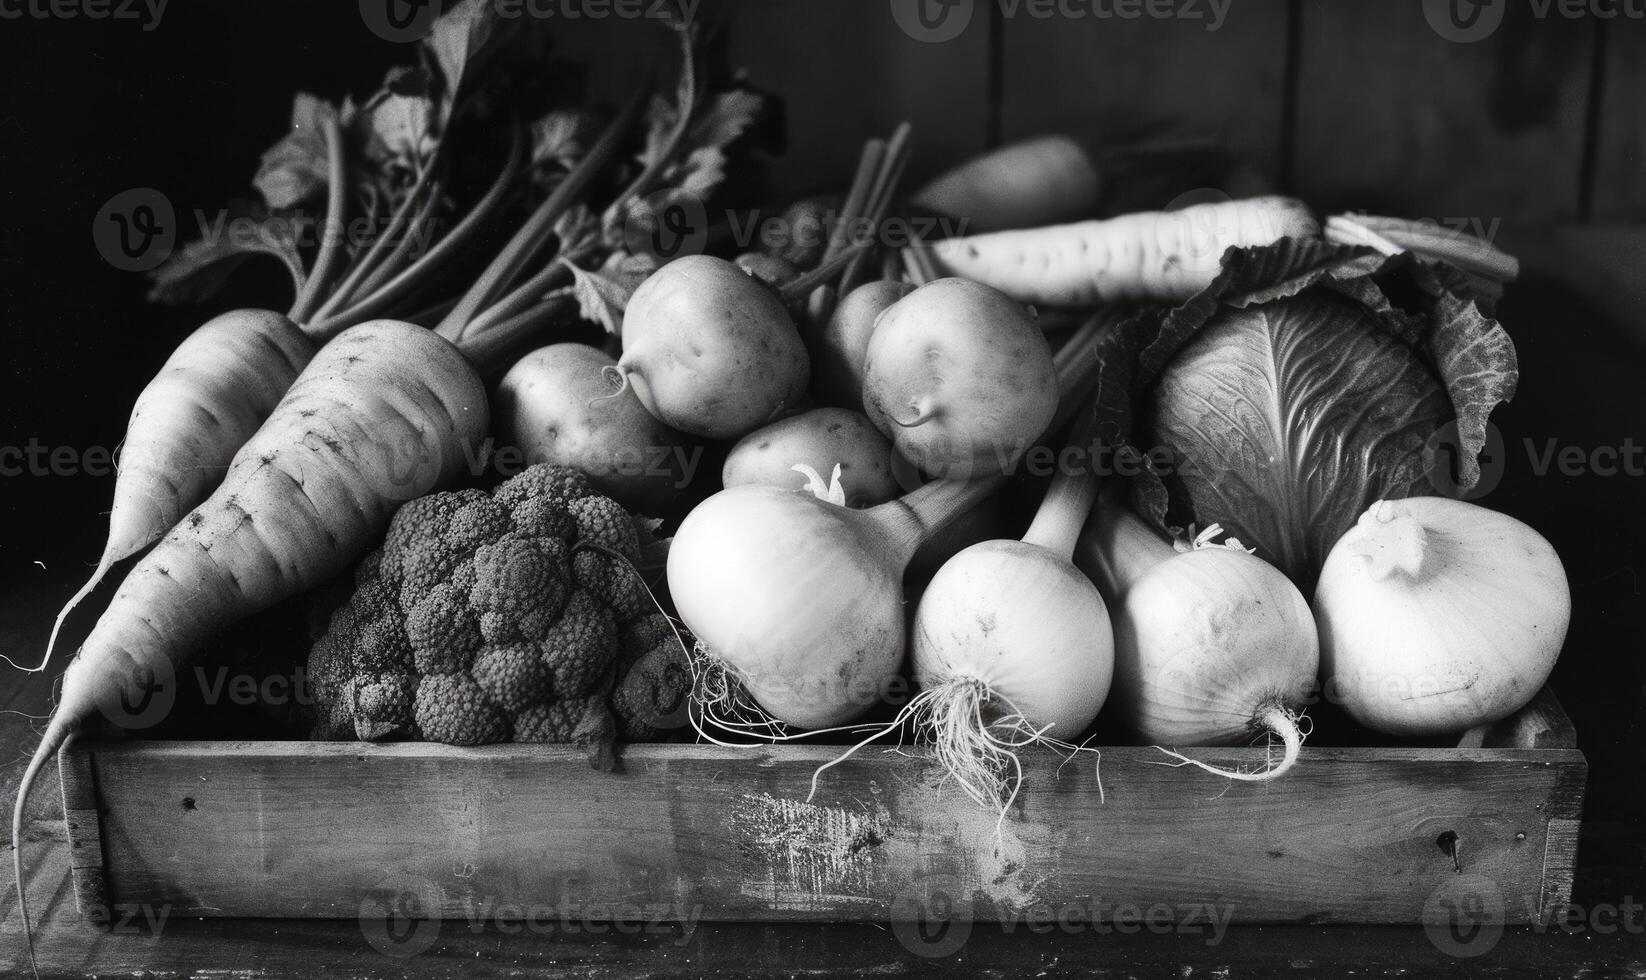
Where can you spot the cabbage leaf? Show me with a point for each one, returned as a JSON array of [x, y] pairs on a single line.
[[1308, 381]]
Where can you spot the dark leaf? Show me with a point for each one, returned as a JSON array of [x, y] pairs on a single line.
[[198, 270], [293, 171]]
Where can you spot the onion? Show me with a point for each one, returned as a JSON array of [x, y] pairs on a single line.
[[800, 598], [1212, 644], [1012, 647], [1438, 615]]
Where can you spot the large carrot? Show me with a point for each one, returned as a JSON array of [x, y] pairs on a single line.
[[210, 396], [225, 378], [1154, 255], [386, 412]]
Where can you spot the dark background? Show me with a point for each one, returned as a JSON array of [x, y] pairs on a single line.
[[89, 109]]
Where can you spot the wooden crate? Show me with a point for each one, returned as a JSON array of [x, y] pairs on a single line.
[[336, 830]]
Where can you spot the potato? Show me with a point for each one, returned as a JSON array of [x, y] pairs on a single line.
[[961, 378], [820, 438], [556, 405], [844, 342], [710, 350]]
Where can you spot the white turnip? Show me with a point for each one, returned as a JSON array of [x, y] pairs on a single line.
[[1438, 615], [1212, 644]]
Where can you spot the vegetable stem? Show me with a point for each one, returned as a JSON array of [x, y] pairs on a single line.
[[911, 520], [1056, 526], [377, 250], [395, 259], [504, 269], [796, 290], [417, 273], [494, 350], [880, 196], [331, 239], [1117, 548], [863, 181], [551, 277]]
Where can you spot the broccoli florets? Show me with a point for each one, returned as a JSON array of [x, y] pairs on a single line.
[[495, 617]]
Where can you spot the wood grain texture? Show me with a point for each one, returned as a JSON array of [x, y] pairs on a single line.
[[147, 945], [1619, 193], [325, 830], [83, 828], [847, 73], [1394, 118], [1109, 80]]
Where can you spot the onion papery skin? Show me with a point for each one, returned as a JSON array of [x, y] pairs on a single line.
[[1206, 642], [801, 599], [1467, 640], [1028, 625]]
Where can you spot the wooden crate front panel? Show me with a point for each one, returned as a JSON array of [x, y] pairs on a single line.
[[317, 829]]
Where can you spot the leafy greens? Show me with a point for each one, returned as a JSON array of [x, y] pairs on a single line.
[[1308, 381]]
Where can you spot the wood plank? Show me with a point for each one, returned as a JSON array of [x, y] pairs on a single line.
[[252, 949], [1619, 194], [1395, 118], [83, 827], [1109, 80], [849, 72], [321, 829]]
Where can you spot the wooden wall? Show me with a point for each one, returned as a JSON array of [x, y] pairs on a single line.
[[1356, 104]]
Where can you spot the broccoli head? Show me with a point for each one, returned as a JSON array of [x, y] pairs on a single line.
[[509, 616]]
